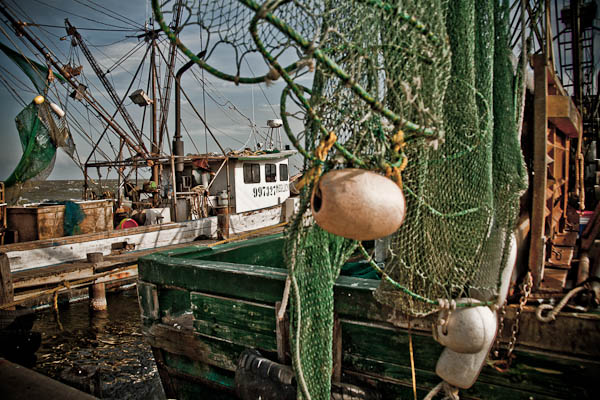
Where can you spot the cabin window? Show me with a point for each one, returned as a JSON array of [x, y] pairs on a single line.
[[283, 172], [251, 173], [270, 172]]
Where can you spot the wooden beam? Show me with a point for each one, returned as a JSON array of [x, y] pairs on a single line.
[[17, 382], [563, 113], [540, 128], [37, 244], [6, 285]]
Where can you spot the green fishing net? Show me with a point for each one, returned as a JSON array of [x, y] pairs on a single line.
[[39, 152], [41, 132], [421, 91], [457, 233]]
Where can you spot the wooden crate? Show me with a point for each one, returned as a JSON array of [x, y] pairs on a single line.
[[46, 221]]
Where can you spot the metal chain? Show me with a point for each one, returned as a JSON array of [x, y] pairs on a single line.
[[503, 364], [527, 286], [496, 350]]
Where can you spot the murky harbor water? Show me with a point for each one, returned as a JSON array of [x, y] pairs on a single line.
[[58, 190], [102, 353]]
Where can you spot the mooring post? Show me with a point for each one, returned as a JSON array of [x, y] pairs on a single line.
[[98, 296], [223, 222], [97, 291], [6, 285]]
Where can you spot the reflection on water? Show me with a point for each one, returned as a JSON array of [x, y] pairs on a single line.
[[99, 352]]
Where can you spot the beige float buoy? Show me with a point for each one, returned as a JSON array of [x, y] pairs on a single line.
[[466, 329], [358, 204], [462, 369], [38, 99]]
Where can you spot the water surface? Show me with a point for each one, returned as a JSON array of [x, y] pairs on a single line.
[[99, 352]]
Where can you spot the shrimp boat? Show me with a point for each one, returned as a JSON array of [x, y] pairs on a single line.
[[163, 195], [219, 325]]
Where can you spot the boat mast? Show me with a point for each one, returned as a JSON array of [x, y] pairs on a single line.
[[170, 71], [154, 145], [72, 31], [20, 31]]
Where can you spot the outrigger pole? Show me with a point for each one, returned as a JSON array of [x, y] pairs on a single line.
[[141, 151]]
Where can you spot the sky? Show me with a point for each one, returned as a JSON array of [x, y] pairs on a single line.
[[229, 109]]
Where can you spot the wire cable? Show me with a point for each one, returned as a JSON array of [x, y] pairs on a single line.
[[79, 16]]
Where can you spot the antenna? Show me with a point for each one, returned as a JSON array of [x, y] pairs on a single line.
[[274, 124]]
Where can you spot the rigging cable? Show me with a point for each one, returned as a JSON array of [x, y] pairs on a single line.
[[112, 11], [122, 59], [12, 91], [15, 80], [261, 89], [112, 15], [79, 16], [36, 25]]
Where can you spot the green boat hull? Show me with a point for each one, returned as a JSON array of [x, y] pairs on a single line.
[[202, 307]]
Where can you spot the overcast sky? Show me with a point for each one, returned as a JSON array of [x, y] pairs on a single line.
[[229, 108]]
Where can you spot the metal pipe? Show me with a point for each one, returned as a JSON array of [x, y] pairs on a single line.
[[217, 174], [177, 142], [174, 188], [154, 145]]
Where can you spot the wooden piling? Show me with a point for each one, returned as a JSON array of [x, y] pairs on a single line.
[[583, 272], [98, 297], [223, 222], [6, 285], [95, 257]]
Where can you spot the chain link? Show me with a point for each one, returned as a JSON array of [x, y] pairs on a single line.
[[496, 350], [502, 364], [527, 286]]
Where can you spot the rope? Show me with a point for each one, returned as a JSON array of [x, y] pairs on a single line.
[[63, 285], [414, 295], [551, 316], [412, 361], [321, 151], [450, 392]]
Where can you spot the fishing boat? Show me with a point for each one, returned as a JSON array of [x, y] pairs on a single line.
[[163, 196], [218, 319], [203, 308]]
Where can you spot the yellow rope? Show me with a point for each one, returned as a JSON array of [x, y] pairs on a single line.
[[395, 173], [321, 151], [64, 285], [412, 361], [398, 140]]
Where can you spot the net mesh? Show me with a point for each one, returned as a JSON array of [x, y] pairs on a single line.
[[41, 131], [419, 91], [456, 235]]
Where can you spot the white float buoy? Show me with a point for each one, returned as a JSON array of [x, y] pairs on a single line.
[[462, 369], [358, 204], [57, 110], [466, 328]]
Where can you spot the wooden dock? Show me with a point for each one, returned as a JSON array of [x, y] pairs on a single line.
[[37, 286], [17, 382]]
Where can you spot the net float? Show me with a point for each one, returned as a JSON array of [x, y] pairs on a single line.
[[57, 110], [358, 204], [461, 369], [38, 99], [466, 329]]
